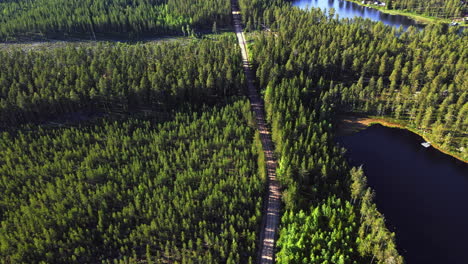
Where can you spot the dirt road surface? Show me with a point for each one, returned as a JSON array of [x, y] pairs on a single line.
[[271, 214]]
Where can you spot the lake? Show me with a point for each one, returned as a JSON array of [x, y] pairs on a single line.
[[423, 193], [346, 9]]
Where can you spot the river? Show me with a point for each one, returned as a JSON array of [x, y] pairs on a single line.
[[346, 9], [423, 193]]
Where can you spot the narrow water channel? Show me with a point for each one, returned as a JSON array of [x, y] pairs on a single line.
[[346, 9], [423, 193]]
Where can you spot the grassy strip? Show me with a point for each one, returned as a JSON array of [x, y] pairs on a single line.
[[423, 19], [354, 124]]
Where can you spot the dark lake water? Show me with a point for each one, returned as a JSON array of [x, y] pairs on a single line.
[[347, 9], [423, 193]]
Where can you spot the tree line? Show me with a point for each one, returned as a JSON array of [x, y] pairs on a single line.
[[88, 18], [436, 8], [46, 83]]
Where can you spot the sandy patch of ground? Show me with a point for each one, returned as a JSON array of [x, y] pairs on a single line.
[[352, 124]]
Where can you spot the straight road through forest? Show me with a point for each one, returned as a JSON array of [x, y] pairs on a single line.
[[271, 213]]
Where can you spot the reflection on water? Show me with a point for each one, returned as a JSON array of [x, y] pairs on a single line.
[[423, 193], [346, 9]]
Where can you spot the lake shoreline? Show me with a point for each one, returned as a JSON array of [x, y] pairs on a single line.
[[413, 184], [349, 124], [421, 19]]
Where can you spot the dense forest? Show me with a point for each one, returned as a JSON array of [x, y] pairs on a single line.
[[88, 18], [182, 182], [46, 83], [436, 8], [417, 78], [314, 174], [133, 191], [170, 168], [314, 68]]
